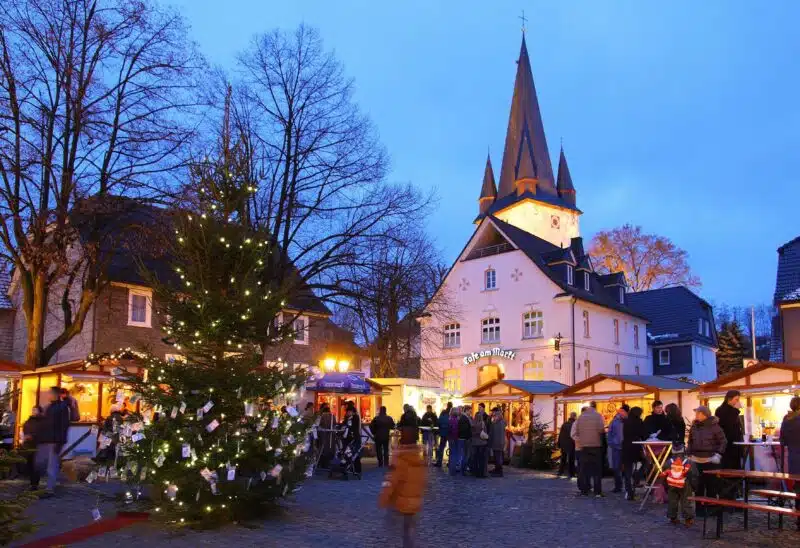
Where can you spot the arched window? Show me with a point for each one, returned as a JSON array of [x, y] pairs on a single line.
[[587, 369], [490, 372], [490, 279], [490, 330], [616, 369], [533, 371], [452, 381], [586, 324], [532, 324]]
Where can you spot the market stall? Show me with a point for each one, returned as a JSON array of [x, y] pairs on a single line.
[[419, 393], [337, 388], [93, 385], [766, 389], [611, 391]]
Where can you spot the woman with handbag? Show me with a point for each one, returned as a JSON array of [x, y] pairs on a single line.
[[480, 441]]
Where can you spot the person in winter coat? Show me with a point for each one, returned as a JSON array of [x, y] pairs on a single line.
[[444, 433], [30, 437], [497, 440], [614, 437], [632, 430], [567, 446], [677, 424], [479, 442], [51, 438], [658, 423], [790, 438], [464, 437], [381, 428], [456, 444], [729, 420], [326, 432], [706, 446], [588, 432], [404, 486], [679, 489], [428, 422]]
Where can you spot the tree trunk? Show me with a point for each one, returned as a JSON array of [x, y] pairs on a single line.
[[36, 322]]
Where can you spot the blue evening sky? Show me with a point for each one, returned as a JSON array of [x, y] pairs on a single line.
[[679, 116]]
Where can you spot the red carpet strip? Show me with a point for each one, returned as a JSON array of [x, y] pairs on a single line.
[[122, 520]]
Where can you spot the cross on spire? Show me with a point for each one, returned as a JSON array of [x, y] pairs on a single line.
[[524, 21]]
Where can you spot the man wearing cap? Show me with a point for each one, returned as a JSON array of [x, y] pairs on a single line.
[[706, 445]]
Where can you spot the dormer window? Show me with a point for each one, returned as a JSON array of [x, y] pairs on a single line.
[[570, 275], [587, 281], [490, 280]]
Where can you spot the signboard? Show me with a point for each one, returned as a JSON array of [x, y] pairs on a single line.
[[492, 352], [346, 383]]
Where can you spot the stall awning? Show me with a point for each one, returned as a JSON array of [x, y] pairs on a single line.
[[343, 383], [513, 390]]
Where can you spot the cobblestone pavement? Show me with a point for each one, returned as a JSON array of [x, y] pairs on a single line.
[[522, 509]]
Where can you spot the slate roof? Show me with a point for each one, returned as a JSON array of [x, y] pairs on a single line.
[[538, 250], [673, 313], [536, 387], [488, 189], [656, 381], [787, 282], [5, 282]]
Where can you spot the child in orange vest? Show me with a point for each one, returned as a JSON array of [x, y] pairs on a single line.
[[678, 491], [405, 484]]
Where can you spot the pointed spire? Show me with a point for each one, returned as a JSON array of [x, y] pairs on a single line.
[[488, 189], [566, 190], [525, 154]]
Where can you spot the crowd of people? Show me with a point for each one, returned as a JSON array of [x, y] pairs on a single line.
[[711, 443]]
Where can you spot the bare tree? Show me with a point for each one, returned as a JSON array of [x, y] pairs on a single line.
[[316, 165], [94, 102], [648, 261]]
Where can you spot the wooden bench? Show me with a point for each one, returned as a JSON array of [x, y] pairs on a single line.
[[742, 505], [771, 495]]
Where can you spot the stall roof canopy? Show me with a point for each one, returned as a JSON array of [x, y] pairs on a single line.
[[648, 382], [720, 382], [529, 387], [344, 383]]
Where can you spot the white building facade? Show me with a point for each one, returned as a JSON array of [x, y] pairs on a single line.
[[525, 302]]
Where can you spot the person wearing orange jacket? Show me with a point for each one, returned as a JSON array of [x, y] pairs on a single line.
[[404, 487]]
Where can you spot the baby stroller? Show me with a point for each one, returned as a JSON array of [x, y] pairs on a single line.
[[348, 452]]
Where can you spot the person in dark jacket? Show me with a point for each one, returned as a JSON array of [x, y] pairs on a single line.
[[352, 434], [456, 445], [427, 423], [30, 436], [614, 440], [657, 422], [633, 430], [790, 438], [706, 446], [381, 427], [444, 432], [729, 420], [497, 440], [51, 438], [326, 440], [677, 426], [464, 437], [567, 446]]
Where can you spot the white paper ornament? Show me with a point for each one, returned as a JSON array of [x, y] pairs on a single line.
[[137, 437], [249, 409], [186, 450], [292, 411], [174, 413], [207, 407], [143, 473], [231, 474], [276, 471], [278, 452], [182, 407], [207, 474], [172, 491], [96, 516], [160, 460], [200, 414], [212, 425], [263, 476], [275, 422]]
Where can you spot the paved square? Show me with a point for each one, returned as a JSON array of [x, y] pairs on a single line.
[[524, 508]]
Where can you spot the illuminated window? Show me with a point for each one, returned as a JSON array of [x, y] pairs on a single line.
[[533, 371], [139, 307], [532, 324], [490, 279], [490, 330], [299, 327], [570, 275], [586, 323], [452, 335], [663, 357], [616, 331], [636, 337], [489, 373], [452, 380]]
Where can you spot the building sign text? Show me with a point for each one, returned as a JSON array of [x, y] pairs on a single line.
[[497, 351]]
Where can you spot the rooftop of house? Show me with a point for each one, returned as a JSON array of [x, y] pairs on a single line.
[[787, 282], [674, 314]]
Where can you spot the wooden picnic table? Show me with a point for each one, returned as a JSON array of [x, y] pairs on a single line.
[[748, 475]]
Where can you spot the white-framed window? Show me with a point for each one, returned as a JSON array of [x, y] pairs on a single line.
[[452, 380], [533, 371], [636, 369], [557, 362], [532, 324], [622, 295], [663, 356], [616, 368], [708, 328], [570, 275], [490, 279], [140, 307], [587, 369], [586, 324], [300, 328], [700, 326], [587, 281], [616, 331], [490, 330], [636, 337], [452, 335], [174, 358]]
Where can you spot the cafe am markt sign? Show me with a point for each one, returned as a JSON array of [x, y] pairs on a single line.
[[496, 352]]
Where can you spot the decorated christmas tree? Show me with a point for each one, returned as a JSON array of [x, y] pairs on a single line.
[[212, 444]]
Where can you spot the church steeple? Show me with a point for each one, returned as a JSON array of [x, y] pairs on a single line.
[[488, 190], [566, 190], [526, 160]]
